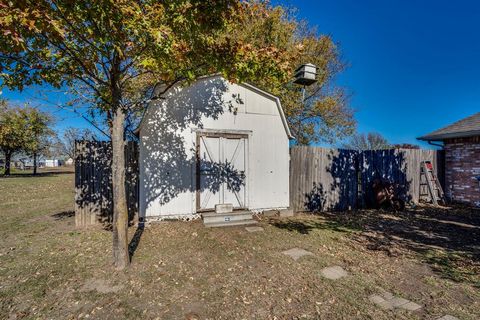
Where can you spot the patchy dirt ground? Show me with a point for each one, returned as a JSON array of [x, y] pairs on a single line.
[[180, 270], [448, 239]]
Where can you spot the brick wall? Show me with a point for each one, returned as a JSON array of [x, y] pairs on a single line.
[[462, 165]]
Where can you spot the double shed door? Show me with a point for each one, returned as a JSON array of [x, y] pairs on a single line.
[[221, 170]]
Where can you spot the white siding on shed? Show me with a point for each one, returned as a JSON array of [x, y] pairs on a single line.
[[52, 163], [168, 137]]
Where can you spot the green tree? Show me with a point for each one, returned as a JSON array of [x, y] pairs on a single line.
[[370, 141], [38, 135], [111, 54], [326, 115], [23, 130], [13, 124]]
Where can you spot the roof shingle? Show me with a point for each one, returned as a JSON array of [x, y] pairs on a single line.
[[467, 127]]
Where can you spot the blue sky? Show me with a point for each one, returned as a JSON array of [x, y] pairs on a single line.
[[48, 99], [414, 65]]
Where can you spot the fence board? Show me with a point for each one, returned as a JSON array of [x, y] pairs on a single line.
[[93, 182], [323, 179]]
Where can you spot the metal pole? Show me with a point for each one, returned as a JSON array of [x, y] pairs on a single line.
[[303, 106]]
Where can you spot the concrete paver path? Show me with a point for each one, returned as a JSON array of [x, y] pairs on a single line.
[[297, 253], [448, 317], [334, 273], [386, 300], [253, 229]]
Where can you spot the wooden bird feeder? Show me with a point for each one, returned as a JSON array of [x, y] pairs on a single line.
[[306, 74]]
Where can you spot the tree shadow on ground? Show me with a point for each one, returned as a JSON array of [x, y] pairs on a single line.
[[63, 215], [447, 239], [39, 174], [135, 241], [307, 225]]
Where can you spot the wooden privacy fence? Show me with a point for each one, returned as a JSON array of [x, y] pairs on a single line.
[[324, 179], [93, 182]]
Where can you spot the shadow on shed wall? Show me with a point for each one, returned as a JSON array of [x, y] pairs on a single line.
[[169, 161]]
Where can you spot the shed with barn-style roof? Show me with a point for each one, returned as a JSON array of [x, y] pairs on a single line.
[[213, 144]]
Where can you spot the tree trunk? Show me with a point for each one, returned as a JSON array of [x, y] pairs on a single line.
[[121, 257], [8, 159], [34, 163]]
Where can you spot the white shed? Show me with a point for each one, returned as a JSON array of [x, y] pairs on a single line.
[[213, 142], [50, 163]]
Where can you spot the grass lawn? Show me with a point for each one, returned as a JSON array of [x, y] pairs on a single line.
[[180, 270]]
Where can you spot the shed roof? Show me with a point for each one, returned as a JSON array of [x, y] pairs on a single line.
[[252, 88], [467, 127], [278, 103]]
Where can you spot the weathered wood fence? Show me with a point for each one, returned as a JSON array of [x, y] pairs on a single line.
[[324, 179], [93, 182], [321, 179]]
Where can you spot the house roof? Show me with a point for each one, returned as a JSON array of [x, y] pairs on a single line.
[[467, 127], [253, 88]]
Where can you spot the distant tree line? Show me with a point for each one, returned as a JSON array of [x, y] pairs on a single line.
[[28, 131], [373, 141]]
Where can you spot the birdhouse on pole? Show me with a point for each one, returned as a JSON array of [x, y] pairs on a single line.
[[306, 74]]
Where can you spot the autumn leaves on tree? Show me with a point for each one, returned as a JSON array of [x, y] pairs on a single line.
[[325, 116], [110, 55]]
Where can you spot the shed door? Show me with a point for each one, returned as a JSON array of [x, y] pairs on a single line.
[[222, 171]]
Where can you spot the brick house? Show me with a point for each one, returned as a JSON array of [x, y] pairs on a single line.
[[461, 142]]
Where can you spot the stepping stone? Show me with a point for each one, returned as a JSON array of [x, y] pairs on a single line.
[[448, 317], [411, 306], [398, 302], [386, 295], [380, 301], [334, 273], [387, 301], [297, 253], [253, 229]]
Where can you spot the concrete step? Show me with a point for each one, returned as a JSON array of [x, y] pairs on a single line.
[[212, 217], [247, 222]]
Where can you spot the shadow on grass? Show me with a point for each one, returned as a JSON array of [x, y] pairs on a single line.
[[453, 266], [63, 215], [133, 245], [305, 226], [448, 240], [39, 174]]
